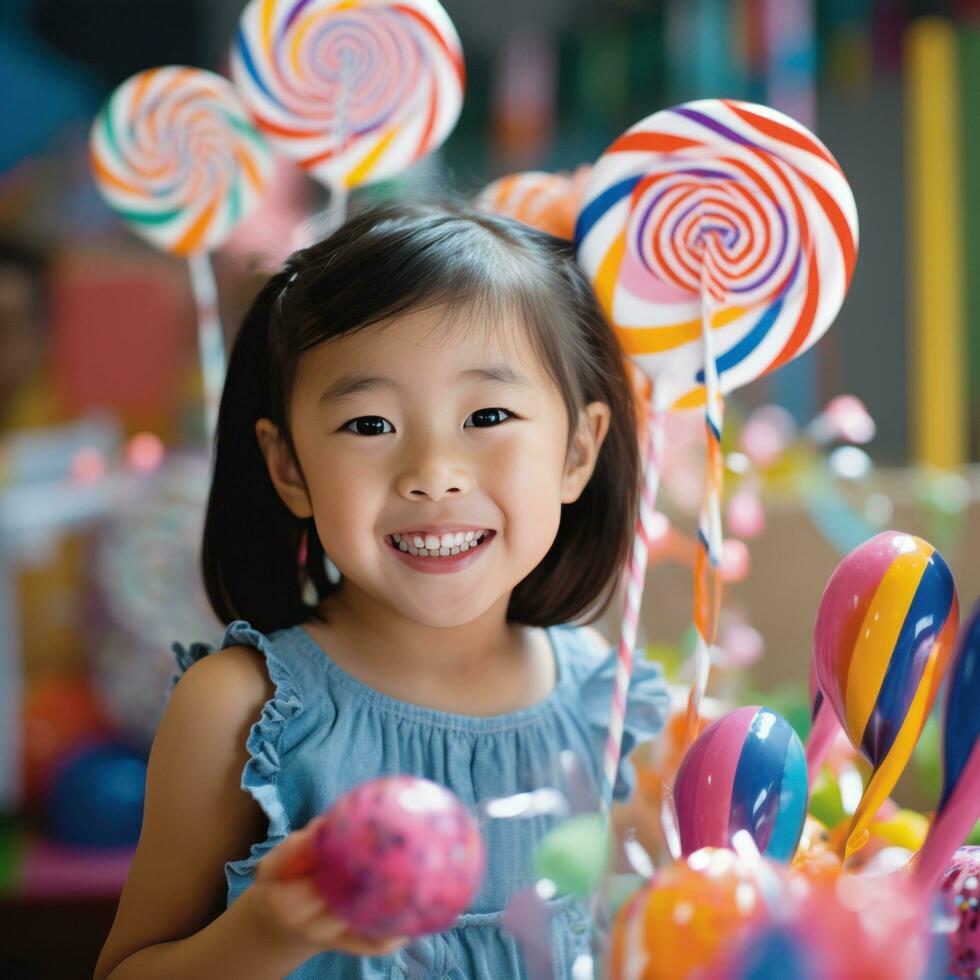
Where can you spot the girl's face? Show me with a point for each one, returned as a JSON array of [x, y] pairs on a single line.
[[432, 429]]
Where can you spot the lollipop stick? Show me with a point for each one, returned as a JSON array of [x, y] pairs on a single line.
[[707, 566], [636, 573], [210, 341]]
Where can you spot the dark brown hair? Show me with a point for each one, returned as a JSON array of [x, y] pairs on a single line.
[[385, 261]]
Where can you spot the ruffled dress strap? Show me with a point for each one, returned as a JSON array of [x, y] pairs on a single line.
[[647, 702], [260, 777]]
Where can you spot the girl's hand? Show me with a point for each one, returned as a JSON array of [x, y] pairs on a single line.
[[287, 902]]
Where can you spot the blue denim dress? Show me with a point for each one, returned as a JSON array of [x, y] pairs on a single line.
[[323, 732]]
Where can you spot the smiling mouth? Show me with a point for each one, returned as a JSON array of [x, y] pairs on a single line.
[[408, 544]]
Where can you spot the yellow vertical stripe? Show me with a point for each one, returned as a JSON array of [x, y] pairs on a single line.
[[363, 170], [937, 347], [875, 643]]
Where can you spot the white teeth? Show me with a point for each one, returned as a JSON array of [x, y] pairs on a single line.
[[469, 536], [413, 551], [454, 550], [396, 538], [403, 545], [447, 540], [444, 552], [418, 542], [431, 542], [464, 547], [458, 538]]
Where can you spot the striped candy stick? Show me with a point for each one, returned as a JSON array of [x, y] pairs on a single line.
[[707, 564], [651, 455]]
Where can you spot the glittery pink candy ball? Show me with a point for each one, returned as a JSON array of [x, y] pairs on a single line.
[[960, 886], [398, 856]]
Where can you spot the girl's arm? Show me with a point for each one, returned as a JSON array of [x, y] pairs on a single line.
[[172, 920]]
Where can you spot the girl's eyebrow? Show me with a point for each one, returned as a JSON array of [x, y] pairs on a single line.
[[350, 384]]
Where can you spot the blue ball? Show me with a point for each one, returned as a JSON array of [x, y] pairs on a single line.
[[96, 797]]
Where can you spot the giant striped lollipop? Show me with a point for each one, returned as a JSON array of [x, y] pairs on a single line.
[[175, 155], [720, 237], [549, 202], [881, 644], [353, 90]]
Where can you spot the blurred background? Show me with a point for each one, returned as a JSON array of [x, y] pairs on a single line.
[[103, 452]]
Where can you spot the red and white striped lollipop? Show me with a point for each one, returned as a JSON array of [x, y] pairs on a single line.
[[176, 156], [354, 90], [722, 209]]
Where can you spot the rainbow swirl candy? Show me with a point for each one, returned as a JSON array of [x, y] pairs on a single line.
[[354, 90], [175, 155], [746, 771], [881, 644], [722, 209]]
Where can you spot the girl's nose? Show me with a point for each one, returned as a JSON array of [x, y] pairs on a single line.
[[434, 478]]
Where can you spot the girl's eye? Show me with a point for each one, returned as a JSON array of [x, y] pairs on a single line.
[[486, 418], [369, 425]]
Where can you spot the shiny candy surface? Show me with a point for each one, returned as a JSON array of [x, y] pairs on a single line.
[[747, 771], [882, 641], [353, 91], [175, 155], [722, 208]]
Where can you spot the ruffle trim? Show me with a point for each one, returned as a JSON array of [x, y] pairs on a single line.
[[647, 709], [260, 777]]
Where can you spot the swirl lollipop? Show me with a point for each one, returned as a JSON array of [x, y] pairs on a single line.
[[747, 771], [353, 91], [721, 238], [959, 804], [881, 644], [175, 156], [549, 202]]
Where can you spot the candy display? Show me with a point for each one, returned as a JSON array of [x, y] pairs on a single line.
[[882, 640], [399, 856], [746, 771], [353, 92]]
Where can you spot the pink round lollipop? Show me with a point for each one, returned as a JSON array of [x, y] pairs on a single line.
[[399, 856], [355, 92], [175, 155], [719, 209]]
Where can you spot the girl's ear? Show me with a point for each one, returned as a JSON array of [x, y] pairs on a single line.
[[283, 469], [584, 451]]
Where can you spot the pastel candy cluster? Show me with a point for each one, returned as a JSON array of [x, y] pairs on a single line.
[[399, 856], [746, 771], [725, 208], [353, 91], [175, 155]]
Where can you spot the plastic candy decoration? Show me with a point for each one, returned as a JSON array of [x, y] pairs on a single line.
[[692, 912], [398, 856], [959, 804], [96, 797], [721, 238], [747, 771], [960, 886], [548, 202], [881, 644], [353, 91], [723, 210], [175, 155]]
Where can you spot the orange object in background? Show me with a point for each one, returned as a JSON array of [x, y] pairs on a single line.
[[61, 712]]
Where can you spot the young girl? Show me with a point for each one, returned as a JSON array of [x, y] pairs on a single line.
[[432, 398]]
